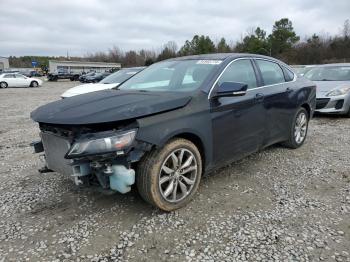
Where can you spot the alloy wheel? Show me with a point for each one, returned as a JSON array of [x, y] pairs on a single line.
[[300, 128], [178, 175]]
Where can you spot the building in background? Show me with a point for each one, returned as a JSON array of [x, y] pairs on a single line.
[[81, 66], [4, 63]]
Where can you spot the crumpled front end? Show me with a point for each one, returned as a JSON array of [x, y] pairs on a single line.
[[103, 158]]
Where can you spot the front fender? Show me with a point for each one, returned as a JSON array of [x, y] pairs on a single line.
[[159, 129]]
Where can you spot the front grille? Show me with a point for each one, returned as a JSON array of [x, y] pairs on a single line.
[[321, 102], [55, 149]]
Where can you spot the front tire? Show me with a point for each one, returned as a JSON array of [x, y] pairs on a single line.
[[169, 177], [298, 130], [34, 84], [3, 85]]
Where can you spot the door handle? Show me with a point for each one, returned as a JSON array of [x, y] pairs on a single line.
[[259, 97]]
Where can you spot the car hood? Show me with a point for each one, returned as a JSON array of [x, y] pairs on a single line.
[[108, 106], [323, 87], [87, 88]]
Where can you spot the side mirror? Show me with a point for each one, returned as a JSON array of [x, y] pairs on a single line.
[[227, 89]]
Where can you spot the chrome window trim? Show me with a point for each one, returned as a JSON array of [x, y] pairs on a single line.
[[255, 88]]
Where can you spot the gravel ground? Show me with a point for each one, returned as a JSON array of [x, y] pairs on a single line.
[[275, 205]]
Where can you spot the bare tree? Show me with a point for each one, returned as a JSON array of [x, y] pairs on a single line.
[[346, 29]]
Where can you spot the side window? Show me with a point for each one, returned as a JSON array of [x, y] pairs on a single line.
[[240, 71], [271, 72], [19, 76], [9, 76]]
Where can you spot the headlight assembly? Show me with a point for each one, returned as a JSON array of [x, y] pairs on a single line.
[[339, 91], [109, 144]]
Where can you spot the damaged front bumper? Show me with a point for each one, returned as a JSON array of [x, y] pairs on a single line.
[[104, 158]]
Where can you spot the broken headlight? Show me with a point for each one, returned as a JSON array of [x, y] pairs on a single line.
[[102, 145]]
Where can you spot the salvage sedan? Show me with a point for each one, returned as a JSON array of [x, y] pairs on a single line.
[[173, 122], [333, 88]]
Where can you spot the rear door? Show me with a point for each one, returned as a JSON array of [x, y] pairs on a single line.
[[238, 122], [10, 80], [278, 101]]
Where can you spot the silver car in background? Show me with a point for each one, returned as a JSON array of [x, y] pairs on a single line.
[[333, 88], [301, 70]]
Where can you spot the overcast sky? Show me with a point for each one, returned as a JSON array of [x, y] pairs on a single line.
[[43, 27]]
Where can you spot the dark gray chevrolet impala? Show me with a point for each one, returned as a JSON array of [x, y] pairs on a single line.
[[174, 121]]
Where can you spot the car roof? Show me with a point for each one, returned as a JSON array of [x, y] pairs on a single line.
[[226, 56], [221, 56], [133, 68], [335, 64]]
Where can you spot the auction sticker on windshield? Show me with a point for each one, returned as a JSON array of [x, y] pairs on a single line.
[[209, 62]]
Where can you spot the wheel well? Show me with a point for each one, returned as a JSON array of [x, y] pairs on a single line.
[[195, 140], [307, 108]]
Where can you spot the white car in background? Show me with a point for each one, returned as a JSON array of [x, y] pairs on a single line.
[[109, 82], [18, 80]]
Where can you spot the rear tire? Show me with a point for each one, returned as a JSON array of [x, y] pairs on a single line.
[[3, 85], [298, 130], [167, 183]]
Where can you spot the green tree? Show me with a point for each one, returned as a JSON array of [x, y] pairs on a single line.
[[198, 45], [223, 47], [168, 51], [255, 43], [282, 37]]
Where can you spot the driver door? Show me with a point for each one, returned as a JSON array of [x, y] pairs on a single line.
[[238, 122], [21, 80]]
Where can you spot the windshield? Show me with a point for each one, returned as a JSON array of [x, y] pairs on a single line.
[[120, 76], [98, 74], [181, 75], [302, 70], [329, 73]]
